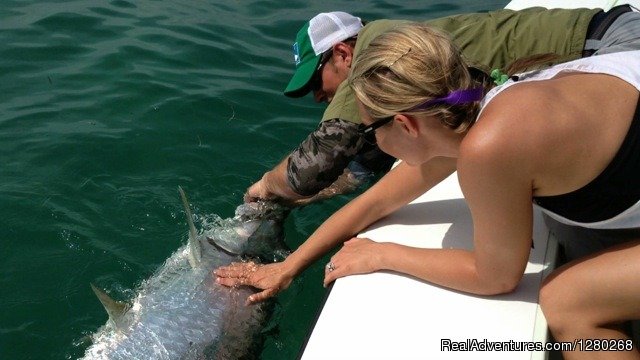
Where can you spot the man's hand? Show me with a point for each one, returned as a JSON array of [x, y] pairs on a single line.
[[273, 186], [257, 192]]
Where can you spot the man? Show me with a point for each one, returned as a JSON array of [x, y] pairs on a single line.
[[335, 158]]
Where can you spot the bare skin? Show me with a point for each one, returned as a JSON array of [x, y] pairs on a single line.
[[552, 141], [591, 297], [274, 186]]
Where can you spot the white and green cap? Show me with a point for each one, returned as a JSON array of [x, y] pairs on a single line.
[[317, 36]]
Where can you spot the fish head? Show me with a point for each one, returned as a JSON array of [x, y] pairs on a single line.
[[261, 210], [257, 232]]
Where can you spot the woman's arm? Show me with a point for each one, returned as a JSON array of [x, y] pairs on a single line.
[[401, 185], [497, 186]]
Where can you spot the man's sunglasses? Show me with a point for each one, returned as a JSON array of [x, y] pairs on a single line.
[[316, 80], [368, 132]]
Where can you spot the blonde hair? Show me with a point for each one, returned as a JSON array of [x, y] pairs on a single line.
[[409, 65]]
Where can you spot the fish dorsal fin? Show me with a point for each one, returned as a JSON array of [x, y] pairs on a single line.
[[195, 252], [115, 309]]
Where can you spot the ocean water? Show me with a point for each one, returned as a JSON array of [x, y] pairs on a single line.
[[105, 108]]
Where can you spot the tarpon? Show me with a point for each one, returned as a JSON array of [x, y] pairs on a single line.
[[180, 312]]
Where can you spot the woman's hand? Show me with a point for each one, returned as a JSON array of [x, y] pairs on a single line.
[[357, 256], [270, 278]]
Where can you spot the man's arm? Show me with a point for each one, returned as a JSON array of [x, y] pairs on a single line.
[[273, 185], [319, 163]]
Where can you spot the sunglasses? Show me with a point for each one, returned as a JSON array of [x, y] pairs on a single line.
[[368, 132], [316, 80]]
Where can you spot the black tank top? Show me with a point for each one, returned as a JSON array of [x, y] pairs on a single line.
[[616, 189]]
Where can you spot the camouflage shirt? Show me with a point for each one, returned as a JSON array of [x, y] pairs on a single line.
[[326, 152]]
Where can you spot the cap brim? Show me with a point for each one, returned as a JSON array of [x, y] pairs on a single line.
[[299, 85]]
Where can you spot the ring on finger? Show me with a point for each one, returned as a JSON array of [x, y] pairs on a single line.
[[330, 267]]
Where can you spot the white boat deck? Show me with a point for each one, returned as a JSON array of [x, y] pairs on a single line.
[[392, 316]]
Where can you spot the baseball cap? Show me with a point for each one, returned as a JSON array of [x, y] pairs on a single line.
[[315, 37]]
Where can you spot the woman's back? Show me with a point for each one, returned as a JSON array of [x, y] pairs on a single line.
[[565, 130]]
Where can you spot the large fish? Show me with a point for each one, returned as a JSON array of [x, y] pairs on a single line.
[[180, 312]]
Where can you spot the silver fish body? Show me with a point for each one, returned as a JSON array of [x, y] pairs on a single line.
[[181, 313]]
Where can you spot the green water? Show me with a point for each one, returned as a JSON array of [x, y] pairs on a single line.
[[105, 108]]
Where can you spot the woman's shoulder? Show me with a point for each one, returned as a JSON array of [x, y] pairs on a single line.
[[511, 132], [511, 115]]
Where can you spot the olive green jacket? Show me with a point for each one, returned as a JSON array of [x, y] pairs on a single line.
[[488, 41]]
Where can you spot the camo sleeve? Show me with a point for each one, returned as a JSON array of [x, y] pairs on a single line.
[[323, 156]]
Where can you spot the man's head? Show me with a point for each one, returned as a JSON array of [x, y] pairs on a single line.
[[314, 49]]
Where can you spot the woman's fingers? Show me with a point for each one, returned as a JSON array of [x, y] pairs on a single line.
[[236, 274], [355, 257], [262, 296], [230, 282], [268, 279], [331, 273]]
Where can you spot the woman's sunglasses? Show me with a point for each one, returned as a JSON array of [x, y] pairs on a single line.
[[368, 132], [455, 97]]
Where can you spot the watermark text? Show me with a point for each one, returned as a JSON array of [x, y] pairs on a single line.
[[512, 345]]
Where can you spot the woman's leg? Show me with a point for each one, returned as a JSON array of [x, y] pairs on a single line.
[[589, 299]]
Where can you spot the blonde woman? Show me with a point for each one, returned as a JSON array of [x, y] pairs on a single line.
[[566, 138]]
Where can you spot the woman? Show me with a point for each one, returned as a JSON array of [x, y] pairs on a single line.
[[549, 137]]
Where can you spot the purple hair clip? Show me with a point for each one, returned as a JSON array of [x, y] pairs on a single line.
[[454, 98]]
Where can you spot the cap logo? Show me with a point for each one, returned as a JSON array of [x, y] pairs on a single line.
[[296, 54]]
